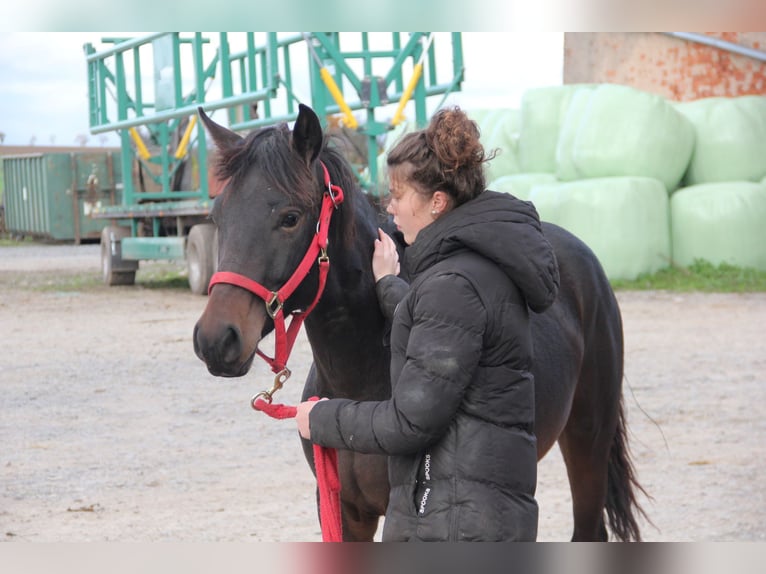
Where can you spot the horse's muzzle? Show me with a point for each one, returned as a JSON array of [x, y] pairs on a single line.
[[223, 352]]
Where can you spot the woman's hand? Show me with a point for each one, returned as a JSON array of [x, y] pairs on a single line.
[[385, 258], [302, 418]]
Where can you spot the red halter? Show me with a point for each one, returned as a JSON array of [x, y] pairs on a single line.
[[274, 300]]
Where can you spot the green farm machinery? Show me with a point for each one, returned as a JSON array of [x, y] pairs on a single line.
[[148, 89]]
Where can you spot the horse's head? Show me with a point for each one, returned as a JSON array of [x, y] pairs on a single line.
[[266, 218]]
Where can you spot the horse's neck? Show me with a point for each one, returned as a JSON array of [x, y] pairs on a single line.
[[346, 329]]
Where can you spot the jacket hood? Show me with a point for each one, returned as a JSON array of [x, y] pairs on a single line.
[[502, 228]]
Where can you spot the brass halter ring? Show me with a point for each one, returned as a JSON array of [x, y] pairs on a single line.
[[279, 381]]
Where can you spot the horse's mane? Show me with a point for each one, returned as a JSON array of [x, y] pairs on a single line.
[[269, 150], [342, 174]]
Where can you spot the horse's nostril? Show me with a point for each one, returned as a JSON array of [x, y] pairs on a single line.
[[221, 351], [230, 346], [196, 342]]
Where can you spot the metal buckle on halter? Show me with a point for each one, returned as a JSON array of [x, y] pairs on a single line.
[[323, 257], [332, 195], [279, 380], [273, 305]]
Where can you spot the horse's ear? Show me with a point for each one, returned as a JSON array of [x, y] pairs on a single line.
[[223, 137], [307, 134]]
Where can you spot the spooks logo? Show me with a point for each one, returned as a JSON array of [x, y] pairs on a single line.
[[427, 476], [424, 500]]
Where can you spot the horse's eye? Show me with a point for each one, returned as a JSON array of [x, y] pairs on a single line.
[[289, 220]]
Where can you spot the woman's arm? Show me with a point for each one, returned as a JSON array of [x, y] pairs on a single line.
[[443, 352]]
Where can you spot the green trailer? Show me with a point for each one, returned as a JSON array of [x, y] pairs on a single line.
[[148, 90], [52, 195]]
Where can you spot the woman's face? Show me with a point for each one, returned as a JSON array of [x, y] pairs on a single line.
[[411, 210]]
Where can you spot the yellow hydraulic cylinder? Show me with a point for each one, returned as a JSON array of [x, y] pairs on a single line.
[[417, 71], [337, 95], [184, 143], [143, 153]]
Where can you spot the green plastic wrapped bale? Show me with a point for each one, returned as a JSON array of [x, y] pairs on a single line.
[[479, 115], [620, 131], [485, 118], [392, 138], [624, 220], [542, 114], [520, 184], [565, 169], [502, 137], [721, 223], [731, 139]]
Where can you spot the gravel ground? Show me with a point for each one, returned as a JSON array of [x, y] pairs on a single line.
[[114, 431]]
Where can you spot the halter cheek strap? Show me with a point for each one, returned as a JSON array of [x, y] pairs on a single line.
[[275, 300]]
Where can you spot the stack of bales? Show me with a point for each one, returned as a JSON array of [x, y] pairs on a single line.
[[500, 132], [720, 213], [644, 181], [618, 153]]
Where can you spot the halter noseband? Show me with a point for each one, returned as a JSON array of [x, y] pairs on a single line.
[[275, 300]]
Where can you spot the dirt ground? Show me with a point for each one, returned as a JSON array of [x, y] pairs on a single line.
[[112, 429]]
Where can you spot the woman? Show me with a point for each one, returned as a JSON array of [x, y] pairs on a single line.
[[459, 427]]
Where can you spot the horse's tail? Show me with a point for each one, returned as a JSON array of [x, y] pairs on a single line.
[[622, 507]]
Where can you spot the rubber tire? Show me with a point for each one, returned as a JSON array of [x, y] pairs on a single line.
[[201, 256], [110, 275]]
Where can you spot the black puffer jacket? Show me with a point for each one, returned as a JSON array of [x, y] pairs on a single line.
[[459, 426]]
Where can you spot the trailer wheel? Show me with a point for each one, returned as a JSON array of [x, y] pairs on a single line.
[[114, 270], [201, 256]]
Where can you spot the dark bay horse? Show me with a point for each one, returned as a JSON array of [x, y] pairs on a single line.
[[267, 220]]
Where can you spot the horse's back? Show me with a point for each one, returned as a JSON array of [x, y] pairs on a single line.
[[583, 281], [582, 326]]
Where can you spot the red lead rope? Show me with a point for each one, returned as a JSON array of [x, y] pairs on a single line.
[[326, 463]]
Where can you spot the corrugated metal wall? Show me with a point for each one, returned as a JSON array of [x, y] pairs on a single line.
[[677, 69]]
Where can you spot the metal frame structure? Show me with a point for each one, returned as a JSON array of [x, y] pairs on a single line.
[[148, 90]]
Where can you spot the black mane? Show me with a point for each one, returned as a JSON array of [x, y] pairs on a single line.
[[269, 151]]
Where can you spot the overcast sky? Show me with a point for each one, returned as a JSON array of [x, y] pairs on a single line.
[[43, 85]]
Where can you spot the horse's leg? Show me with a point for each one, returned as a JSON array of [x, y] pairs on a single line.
[[586, 441], [364, 494], [363, 480], [586, 460], [358, 526]]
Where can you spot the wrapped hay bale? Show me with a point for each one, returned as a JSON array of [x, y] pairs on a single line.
[[721, 222], [484, 118], [542, 114], [624, 220], [565, 169], [502, 136], [620, 131], [520, 184], [731, 139]]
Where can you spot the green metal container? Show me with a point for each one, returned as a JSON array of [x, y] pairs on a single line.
[[51, 195]]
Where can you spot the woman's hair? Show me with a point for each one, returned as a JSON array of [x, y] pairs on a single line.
[[447, 155]]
